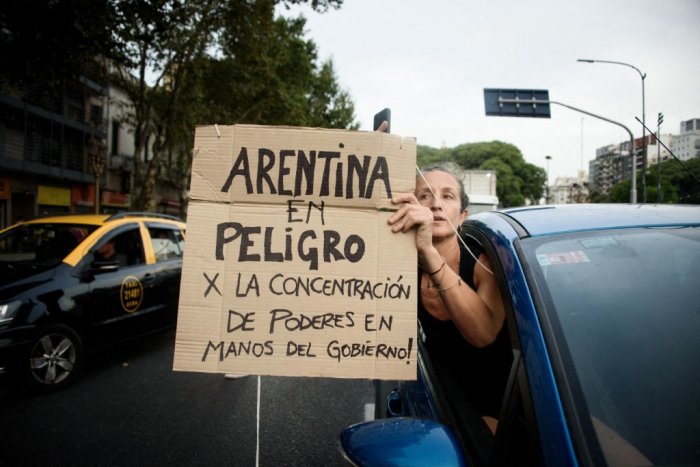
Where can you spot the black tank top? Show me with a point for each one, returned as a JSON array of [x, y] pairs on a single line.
[[481, 373]]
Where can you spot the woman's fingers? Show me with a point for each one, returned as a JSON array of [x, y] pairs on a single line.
[[409, 198], [408, 216]]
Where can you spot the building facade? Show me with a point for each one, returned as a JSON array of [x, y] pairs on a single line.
[[62, 151], [657, 152], [612, 163], [569, 190], [50, 145], [480, 185], [687, 144]]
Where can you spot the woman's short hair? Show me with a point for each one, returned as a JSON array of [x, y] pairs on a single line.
[[456, 172]]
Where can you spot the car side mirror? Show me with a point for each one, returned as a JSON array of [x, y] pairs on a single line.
[[109, 265], [401, 441]]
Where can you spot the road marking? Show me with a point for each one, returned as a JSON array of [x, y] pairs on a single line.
[[369, 412]]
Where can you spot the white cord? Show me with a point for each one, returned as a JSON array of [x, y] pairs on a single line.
[[257, 435], [450, 222]]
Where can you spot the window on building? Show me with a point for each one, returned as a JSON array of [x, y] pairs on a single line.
[[96, 114], [115, 138]]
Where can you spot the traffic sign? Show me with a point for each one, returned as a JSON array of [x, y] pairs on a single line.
[[517, 102]]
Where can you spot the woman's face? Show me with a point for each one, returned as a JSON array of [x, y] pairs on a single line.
[[445, 205]]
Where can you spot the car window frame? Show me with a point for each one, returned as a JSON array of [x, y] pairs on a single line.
[[89, 257], [588, 442], [148, 225], [580, 427], [464, 420], [517, 397]]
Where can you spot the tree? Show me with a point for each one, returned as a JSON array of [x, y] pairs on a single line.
[[518, 180], [158, 42], [262, 79], [269, 75], [677, 185], [427, 155], [685, 186], [44, 44], [272, 77]]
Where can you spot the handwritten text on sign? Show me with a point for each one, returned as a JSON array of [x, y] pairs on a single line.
[[290, 267]]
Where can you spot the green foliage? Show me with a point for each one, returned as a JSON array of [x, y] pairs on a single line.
[[677, 185], [181, 63], [188, 63], [619, 193], [45, 43], [518, 180], [426, 155], [272, 77], [684, 185]]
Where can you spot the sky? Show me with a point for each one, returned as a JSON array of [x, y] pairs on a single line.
[[429, 62]]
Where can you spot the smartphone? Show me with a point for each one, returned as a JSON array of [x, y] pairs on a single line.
[[382, 116]]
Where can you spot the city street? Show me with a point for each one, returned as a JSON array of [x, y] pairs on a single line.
[[130, 408]]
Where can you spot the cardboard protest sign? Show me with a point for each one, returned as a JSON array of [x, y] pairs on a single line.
[[290, 267]]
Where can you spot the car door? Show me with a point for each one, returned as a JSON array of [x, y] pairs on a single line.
[[516, 441], [167, 243], [121, 296]]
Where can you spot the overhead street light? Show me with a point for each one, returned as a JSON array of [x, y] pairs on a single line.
[[644, 142], [536, 103]]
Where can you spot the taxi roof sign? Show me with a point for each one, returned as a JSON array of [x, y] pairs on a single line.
[[517, 102]]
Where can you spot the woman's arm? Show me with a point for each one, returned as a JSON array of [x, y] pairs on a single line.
[[477, 314]]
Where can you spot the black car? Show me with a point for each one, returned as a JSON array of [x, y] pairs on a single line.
[[69, 283]]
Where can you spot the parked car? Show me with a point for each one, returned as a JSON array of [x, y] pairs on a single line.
[[603, 312], [73, 282]]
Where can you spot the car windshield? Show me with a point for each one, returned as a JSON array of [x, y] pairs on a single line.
[[41, 244], [627, 303]]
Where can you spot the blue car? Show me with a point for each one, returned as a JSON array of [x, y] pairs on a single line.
[[603, 315]]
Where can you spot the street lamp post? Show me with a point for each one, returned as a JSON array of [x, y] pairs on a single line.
[[95, 150], [644, 142], [535, 102], [546, 199]]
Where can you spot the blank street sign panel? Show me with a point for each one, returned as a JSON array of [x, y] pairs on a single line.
[[517, 102]]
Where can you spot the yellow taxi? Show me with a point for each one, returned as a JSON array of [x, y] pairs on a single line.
[[69, 283]]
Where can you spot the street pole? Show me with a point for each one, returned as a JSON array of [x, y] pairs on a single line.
[[546, 199], [659, 196], [95, 149], [644, 142], [534, 102]]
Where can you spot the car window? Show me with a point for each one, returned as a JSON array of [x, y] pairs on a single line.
[[37, 244], [630, 320], [168, 243], [125, 246]]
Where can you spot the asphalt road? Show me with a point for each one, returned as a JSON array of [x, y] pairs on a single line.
[[130, 408]]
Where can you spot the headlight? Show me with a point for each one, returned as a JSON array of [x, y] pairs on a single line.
[[8, 311]]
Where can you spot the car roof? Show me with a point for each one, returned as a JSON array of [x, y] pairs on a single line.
[[101, 219], [90, 219], [554, 219]]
